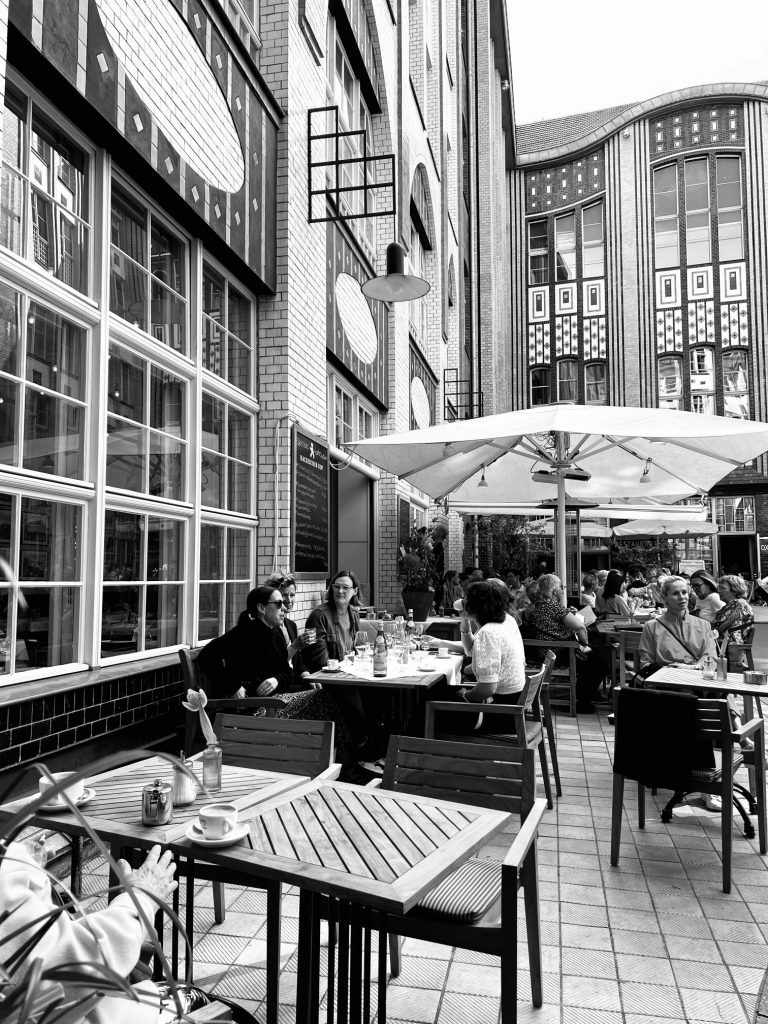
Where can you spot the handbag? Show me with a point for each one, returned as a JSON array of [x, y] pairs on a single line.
[[680, 640]]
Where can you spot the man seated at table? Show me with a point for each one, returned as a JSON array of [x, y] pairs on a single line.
[[251, 660], [112, 937]]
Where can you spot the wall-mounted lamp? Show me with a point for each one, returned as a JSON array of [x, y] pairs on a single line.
[[396, 285], [645, 476], [482, 482], [505, 85]]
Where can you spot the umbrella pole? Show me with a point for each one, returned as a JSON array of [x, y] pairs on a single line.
[[561, 562]]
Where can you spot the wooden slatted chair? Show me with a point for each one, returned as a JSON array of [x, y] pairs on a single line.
[[475, 908], [563, 680], [297, 746], [549, 728], [626, 656], [705, 760], [740, 655], [514, 725]]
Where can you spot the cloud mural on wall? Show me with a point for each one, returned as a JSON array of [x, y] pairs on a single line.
[[169, 70]]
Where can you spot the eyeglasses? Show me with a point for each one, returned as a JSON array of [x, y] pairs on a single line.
[[341, 589], [283, 603]]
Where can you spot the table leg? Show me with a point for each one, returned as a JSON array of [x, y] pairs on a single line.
[[308, 991]]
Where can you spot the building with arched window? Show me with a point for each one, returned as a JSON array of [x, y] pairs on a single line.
[[639, 259]]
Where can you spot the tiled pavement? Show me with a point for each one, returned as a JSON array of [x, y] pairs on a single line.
[[653, 939]]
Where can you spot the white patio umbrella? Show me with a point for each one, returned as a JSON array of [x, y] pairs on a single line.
[[547, 529], [662, 528], [601, 451]]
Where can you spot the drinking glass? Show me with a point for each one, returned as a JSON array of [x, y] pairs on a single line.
[[361, 643]]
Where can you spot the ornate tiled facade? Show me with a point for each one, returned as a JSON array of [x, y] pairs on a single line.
[[573, 182], [697, 128]]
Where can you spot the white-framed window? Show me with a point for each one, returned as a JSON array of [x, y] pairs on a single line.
[[148, 271], [736, 385], [567, 380], [592, 241], [227, 330], [539, 385], [226, 457], [697, 229], [45, 203], [702, 370], [350, 416], [730, 227], [41, 591], [565, 247], [538, 252], [734, 514], [225, 575], [670, 382], [146, 427], [665, 217], [595, 384], [44, 412]]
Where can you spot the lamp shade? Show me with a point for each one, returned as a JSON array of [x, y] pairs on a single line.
[[396, 285]]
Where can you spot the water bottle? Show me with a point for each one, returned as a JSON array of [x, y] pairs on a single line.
[[410, 630], [212, 768], [380, 654]]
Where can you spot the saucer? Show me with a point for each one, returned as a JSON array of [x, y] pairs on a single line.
[[240, 831], [84, 799], [443, 657], [326, 668]]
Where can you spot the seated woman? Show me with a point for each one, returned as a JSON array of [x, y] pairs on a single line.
[[676, 636], [295, 641], [735, 618], [708, 601], [335, 621], [251, 660], [548, 619], [588, 590], [498, 657], [611, 601]]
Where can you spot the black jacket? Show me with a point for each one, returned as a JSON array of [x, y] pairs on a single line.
[[246, 655]]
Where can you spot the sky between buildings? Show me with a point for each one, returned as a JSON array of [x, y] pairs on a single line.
[[570, 58]]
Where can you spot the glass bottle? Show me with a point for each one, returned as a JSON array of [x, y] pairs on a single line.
[[410, 630], [708, 666], [212, 767], [380, 654]]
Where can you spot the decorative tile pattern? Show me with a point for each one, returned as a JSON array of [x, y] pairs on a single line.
[[595, 345], [594, 297], [538, 304], [734, 324], [565, 298], [667, 289], [697, 127], [733, 281], [538, 344], [555, 187], [701, 322], [669, 330], [566, 335]]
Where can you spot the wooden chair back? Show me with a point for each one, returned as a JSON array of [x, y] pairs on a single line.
[[571, 646], [473, 773], [529, 695], [275, 744], [629, 650]]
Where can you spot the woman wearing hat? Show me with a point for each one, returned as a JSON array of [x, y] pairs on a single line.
[[708, 600]]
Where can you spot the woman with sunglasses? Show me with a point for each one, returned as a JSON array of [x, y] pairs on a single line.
[[295, 641], [336, 621]]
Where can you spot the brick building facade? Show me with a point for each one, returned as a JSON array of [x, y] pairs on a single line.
[[184, 346], [638, 264]]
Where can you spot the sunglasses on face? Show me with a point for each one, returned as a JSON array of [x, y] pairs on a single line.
[[278, 603]]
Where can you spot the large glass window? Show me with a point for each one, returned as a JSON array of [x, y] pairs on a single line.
[[565, 247], [734, 514], [143, 581], [146, 450], [226, 329], [735, 385], [670, 382], [538, 254], [539, 381], [567, 380], [40, 583], [350, 417], [697, 241], [148, 271], [44, 201], [42, 388], [226, 459], [665, 214], [702, 380], [595, 384], [592, 243], [729, 216], [225, 573]]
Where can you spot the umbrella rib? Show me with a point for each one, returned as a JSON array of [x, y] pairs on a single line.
[[662, 467]]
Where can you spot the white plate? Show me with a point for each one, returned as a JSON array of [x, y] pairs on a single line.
[[326, 668], [87, 796], [240, 831], [443, 657]]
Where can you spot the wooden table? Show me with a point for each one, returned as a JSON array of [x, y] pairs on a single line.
[[610, 626], [687, 678], [372, 852], [409, 690]]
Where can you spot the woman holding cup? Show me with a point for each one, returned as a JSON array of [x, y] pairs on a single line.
[[295, 641]]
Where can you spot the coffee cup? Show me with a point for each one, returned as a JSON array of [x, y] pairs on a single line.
[[442, 652], [333, 664], [74, 792], [217, 820]]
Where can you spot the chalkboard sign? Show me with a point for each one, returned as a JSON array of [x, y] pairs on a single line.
[[310, 504], [403, 522]]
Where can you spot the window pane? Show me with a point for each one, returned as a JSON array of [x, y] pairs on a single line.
[[10, 303], [567, 389], [212, 478], [728, 168], [239, 440], [537, 234], [539, 270], [539, 387], [238, 554], [123, 556], [13, 191], [55, 352], [239, 315], [236, 595], [126, 385], [59, 242], [210, 615], [48, 627], [166, 402], [213, 424], [212, 347], [211, 552], [119, 619], [239, 363], [9, 431], [128, 291], [670, 377], [695, 172], [14, 117], [238, 498], [58, 167], [735, 385], [166, 461], [595, 383], [126, 455], [169, 317], [163, 623], [129, 225], [213, 295], [50, 541], [53, 435], [164, 540], [728, 195], [168, 258], [565, 247]]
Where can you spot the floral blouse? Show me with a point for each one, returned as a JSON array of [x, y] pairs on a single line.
[[546, 621], [734, 619]]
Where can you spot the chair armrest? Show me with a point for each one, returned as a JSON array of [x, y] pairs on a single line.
[[213, 1012], [551, 643], [526, 837], [373, 784], [330, 773], [749, 728], [466, 707]]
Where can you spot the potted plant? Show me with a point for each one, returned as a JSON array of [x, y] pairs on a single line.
[[418, 571]]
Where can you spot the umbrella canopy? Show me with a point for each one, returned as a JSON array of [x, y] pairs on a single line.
[[663, 528], [600, 451], [547, 529]]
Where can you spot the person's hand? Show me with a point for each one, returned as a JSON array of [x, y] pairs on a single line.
[[265, 687], [155, 875], [240, 693], [305, 639]]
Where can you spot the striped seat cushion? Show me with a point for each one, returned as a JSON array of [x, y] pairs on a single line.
[[466, 895], [713, 774]]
